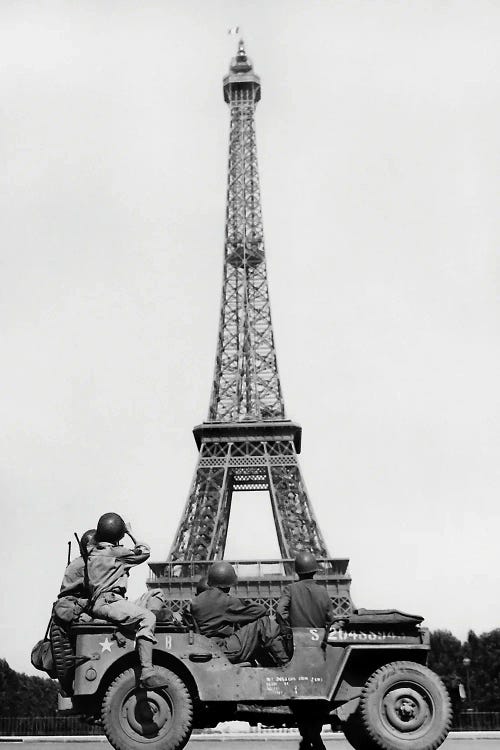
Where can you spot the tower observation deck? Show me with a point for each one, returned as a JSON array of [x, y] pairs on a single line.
[[247, 443]]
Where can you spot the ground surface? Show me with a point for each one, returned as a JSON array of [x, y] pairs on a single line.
[[456, 741]]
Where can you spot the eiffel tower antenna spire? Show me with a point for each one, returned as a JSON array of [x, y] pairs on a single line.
[[247, 443]]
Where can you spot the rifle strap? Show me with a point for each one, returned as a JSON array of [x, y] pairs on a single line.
[[46, 636], [85, 557]]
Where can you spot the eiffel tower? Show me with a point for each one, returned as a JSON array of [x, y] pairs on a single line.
[[247, 443]]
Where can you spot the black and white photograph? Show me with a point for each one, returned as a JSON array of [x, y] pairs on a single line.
[[250, 410]]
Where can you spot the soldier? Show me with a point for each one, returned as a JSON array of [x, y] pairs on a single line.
[[306, 604], [74, 594], [108, 567], [242, 628]]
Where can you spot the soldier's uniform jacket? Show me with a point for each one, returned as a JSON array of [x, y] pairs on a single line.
[[109, 564], [218, 614], [72, 599], [73, 582], [305, 604]]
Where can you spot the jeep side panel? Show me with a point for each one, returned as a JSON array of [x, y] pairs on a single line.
[[317, 669]]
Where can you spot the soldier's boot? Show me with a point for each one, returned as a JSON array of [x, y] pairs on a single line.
[[149, 676]]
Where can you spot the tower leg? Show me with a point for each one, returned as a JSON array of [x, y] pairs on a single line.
[[245, 463]]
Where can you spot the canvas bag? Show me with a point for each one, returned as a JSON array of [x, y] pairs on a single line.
[[41, 655]]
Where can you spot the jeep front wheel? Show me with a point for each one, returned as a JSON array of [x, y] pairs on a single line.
[[405, 706], [137, 718]]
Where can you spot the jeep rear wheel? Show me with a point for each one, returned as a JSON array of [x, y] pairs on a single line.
[[405, 706], [134, 717]]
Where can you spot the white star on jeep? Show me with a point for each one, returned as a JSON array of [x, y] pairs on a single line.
[[105, 645]]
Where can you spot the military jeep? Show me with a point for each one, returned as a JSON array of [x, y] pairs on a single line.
[[366, 675]]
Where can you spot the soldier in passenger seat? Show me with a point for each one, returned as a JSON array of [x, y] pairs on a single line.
[[241, 627]]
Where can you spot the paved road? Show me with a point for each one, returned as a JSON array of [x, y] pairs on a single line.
[[456, 741]]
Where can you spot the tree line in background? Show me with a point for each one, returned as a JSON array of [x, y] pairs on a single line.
[[474, 664], [23, 695]]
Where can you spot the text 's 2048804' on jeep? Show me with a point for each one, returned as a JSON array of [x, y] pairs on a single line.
[[367, 675]]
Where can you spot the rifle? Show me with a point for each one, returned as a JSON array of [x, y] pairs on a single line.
[[85, 556]]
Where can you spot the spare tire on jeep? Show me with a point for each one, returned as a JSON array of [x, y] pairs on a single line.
[[63, 655]]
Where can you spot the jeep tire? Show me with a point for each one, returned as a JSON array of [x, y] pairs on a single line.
[[136, 718], [404, 706], [63, 656]]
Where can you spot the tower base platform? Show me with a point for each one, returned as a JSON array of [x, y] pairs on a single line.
[[258, 580]]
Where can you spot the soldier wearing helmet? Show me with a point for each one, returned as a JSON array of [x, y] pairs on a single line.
[[74, 593], [73, 582], [108, 568], [306, 604], [241, 627]]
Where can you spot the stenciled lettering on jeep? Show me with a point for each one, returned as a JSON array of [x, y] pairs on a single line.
[[356, 635]]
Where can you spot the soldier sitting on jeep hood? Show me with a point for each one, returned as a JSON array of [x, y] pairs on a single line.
[[108, 567]]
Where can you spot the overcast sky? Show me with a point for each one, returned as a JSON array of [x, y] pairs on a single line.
[[378, 136]]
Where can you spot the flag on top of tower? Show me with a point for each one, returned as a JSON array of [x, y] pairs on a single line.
[[233, 30]]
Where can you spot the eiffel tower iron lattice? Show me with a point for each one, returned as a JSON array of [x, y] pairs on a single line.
[[247, 443]]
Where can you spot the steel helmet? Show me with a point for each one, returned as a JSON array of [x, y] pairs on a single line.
[[88, 539], [221, 574], [110, 528], [305, 562]]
